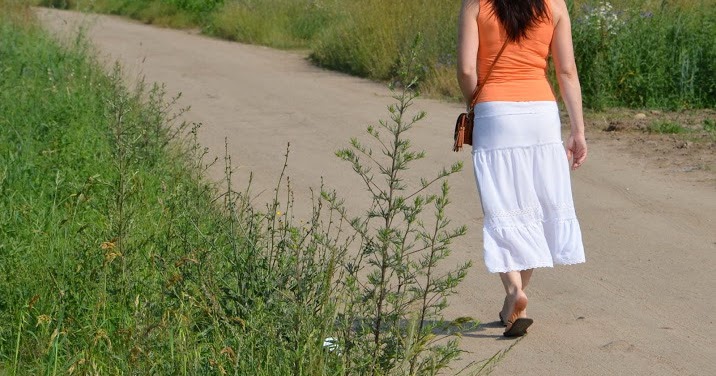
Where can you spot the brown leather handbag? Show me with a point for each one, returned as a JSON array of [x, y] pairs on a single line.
[[466, 120]]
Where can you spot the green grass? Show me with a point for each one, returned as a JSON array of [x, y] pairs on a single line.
[[666, 127], [115, 256], [118, 257], [635, 53], [368, 37], [282, 24], [709, 125]]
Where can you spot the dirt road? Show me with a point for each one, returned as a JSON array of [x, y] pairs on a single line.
[[644, 302]]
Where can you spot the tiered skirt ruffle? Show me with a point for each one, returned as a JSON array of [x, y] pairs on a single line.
[[523, 179]]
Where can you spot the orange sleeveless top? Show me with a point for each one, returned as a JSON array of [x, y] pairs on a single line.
[[520, 74]]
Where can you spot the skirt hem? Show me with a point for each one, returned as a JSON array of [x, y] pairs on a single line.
[[542, 265]]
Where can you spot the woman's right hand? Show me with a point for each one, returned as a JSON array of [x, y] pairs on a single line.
[[576, 150], [568, 79]]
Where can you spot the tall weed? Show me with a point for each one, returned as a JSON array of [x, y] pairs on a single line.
[[393, 295]]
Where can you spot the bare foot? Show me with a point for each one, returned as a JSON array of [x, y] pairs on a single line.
[[505, 312], [516, 307]]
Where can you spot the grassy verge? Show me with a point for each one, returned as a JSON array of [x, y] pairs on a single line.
[[631, 53], [111, 245], [117, 257]]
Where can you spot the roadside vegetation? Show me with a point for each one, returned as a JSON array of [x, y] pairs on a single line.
[[631, 53], [118, 257]]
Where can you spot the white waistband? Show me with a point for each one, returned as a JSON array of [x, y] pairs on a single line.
[[497, 108], [500, 125]]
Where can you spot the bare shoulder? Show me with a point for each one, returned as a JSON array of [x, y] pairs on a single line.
[[473, 5], [559, 10]]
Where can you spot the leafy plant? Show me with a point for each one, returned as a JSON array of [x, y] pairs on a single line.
[[393, 293]]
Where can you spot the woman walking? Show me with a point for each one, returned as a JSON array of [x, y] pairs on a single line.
[[520, 163]]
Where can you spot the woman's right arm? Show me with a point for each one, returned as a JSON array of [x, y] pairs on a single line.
[[566, 69]]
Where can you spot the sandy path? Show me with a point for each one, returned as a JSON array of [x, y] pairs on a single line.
[[642, 304]]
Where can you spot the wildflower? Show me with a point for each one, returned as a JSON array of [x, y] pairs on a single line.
[[101, 335], [107, 245], [43, 319], [604, 17], [33, 300], [110, 256], [229, 352]]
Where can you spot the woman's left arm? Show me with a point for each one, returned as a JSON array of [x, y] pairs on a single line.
[[467, 45]]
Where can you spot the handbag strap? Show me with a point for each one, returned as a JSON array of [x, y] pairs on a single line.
[[489, 72]]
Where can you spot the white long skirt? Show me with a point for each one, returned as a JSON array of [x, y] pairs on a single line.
[[523, 179]]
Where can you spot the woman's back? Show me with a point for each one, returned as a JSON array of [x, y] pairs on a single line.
[[520, 73]]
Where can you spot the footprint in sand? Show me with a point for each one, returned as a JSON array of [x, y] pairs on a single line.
[[618, 346]]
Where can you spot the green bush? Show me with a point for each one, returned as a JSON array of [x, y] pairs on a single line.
[[195, 6], [59, 4], [641, 58]]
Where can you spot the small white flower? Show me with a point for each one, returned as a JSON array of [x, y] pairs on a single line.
[[331, 344], [604, 17]]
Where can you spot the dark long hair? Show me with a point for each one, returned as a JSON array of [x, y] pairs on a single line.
[[518, 16]]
